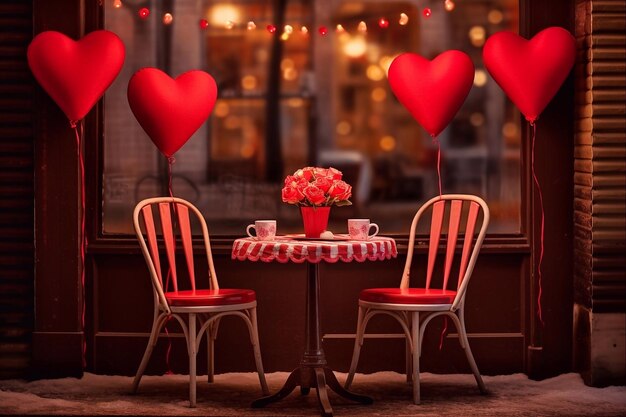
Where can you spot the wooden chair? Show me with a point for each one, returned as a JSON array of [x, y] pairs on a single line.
[[208, 303], [414, 307]]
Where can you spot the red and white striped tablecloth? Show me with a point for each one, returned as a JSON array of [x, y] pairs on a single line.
[[284, 249]]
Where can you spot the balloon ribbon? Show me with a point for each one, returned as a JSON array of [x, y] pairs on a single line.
[[541, 243], [83, 238], [445, 318]]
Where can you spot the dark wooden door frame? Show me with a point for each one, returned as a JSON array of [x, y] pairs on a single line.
[[58, 339]]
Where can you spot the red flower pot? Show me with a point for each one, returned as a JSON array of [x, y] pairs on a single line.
[[315, 220]]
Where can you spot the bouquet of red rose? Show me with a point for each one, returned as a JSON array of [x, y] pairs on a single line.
[[316, 187]]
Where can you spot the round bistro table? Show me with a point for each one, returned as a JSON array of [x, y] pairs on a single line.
[[313, 371]]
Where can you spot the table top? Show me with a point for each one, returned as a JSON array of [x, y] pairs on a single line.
[[296, 248]]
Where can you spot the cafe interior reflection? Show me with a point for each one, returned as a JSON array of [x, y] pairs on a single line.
[[314, 92]]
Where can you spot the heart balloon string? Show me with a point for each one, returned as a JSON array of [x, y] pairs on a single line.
[[79, 131], [170, 162], [168, 352], [435, 140], [541, 238]]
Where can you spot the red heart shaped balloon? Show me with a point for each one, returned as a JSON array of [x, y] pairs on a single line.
[[530, 72], [171, 110], [76, 73], [432, 91]]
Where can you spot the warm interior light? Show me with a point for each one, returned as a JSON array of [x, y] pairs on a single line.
[[480, 78], [387, 143], [477, 35], [168, 18], [385, 63], [404, 19], [495, 17], [375, 73], [221, 13], [362, 27], [343, 128], [290, 74], [251, 25], [287, 63], [117, 4], [221, 109], [477, 119], [509, 130], [379, 94], [355, 47], [295, 102], [249, 82]]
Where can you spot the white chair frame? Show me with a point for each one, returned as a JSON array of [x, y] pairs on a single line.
[[408, 315], [208, 316]]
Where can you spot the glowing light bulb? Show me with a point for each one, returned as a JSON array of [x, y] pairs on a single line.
[[362, 27], [144, 12], [288, 29], [204, 24], [284, 36], [117, 4], [251, 25], [304, 30], [427, 12], [229, 24], [323, 30], [404, 19], [168, 19], [449, 5], [340, 29], [383, 23], [271, 28]]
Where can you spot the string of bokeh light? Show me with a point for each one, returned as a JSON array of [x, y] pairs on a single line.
[[144, 13]]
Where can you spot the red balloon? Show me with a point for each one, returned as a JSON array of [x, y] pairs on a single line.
[[76, 73], [171, 110], [433, 91], [530, 72]]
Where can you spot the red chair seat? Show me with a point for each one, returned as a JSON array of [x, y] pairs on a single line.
[[408, 296], [220, 297]]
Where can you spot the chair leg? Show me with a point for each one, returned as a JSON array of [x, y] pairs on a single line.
[[154, 335], [468, 353], [408, 354], [191, 348], [254, 338], [415, 334], [211, 335], [358, 341]]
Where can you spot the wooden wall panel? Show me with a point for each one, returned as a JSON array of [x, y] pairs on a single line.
[[16, 189], [600, 177]]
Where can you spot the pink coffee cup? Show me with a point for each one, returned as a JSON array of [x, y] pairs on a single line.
[[359, 229], [265, 229]]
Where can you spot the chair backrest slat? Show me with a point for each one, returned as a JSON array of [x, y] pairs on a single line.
[[148, 220], [180, 219], [435, 234], [185, 234], [467, 222], [168, 238], [472, 217], [453, 233]]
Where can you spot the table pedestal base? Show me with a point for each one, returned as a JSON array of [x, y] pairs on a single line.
[[318, 377]]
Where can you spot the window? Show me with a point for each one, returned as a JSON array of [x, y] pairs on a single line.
[[290, 99]]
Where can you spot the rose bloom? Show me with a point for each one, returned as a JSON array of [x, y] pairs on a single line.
[[320, 172], [295, 182], [292, 195], [306, 173], [340, 190], [323, 183], [314, 194], [333, 174]]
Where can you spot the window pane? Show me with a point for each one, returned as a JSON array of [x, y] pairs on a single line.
[[333, 107]]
